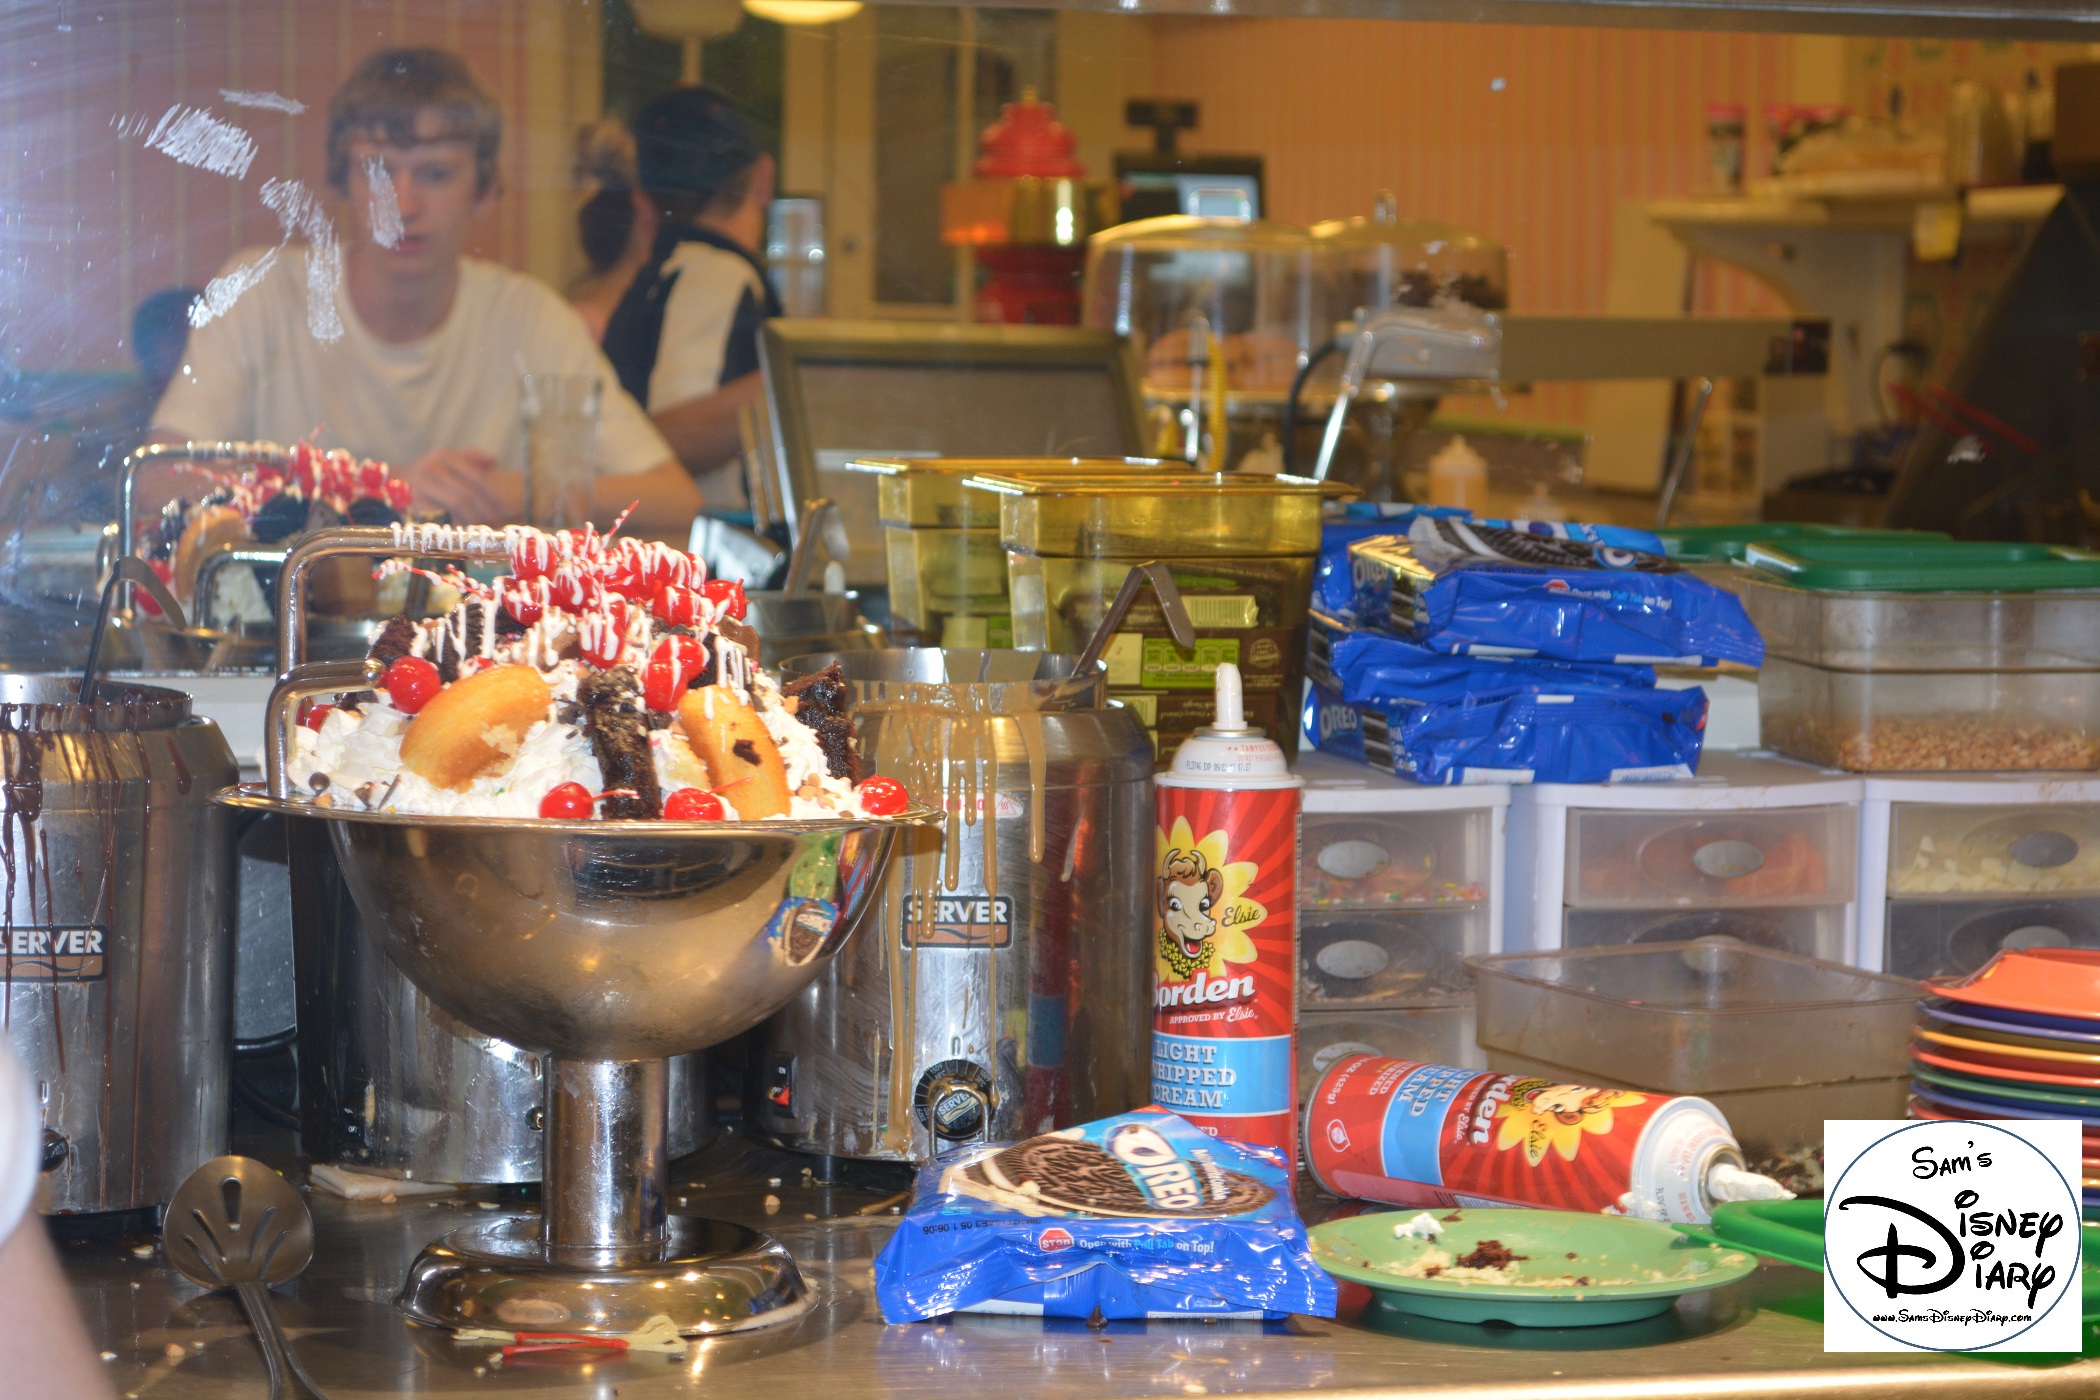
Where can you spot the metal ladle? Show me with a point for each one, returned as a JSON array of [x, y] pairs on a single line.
[[234, 1223], [131, 569], [1171, 607], [819, 515]]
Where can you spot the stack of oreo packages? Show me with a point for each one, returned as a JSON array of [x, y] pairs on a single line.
[[1138, 1216], [1454, 650]]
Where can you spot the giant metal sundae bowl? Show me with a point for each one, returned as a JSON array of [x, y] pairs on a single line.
[[608, 946]]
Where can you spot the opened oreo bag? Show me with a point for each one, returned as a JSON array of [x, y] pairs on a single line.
[[1141, 1215]]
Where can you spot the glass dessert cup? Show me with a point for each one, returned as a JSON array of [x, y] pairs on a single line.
[[608, 947]]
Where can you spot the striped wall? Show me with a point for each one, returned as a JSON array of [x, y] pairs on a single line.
[[1528, 134]]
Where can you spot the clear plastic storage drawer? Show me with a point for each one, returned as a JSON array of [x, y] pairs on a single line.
[[1654, 860], [1360, 860], [1388, 958], [1948, 938]]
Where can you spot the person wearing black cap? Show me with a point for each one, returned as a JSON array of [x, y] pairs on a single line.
[[684, 339]]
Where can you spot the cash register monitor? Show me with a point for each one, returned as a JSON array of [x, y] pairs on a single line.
[[837, 390], [1205, 186]]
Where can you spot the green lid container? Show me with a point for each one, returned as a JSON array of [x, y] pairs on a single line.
[[1717, 544], [1911, 565]]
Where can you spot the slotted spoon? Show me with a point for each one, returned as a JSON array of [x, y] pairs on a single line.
[[234, 1223]]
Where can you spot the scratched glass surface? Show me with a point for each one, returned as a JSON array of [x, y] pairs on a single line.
[[165, 162]]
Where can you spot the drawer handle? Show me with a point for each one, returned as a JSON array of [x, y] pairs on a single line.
[[1728, 860], [1352, 959], [1353, 860], [1326, 1055], [2044, 850]]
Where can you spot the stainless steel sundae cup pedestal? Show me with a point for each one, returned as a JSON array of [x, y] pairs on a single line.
[[604, 1256], [608, 947]]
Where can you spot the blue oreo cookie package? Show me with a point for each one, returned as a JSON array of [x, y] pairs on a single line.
[[1362, 520], [1468, 587], [1535, 734], [1140, 1215], [1437, 717], [1360, 664]]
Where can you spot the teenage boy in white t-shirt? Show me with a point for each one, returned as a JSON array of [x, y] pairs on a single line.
[[414, 356]]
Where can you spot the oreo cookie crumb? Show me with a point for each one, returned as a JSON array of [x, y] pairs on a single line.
[[743, 634], [619, 736], [395, 640], [746, 750], [370, 510], [281, 517]]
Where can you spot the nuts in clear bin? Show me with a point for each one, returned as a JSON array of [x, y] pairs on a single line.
[[1948, 743], [1973, 867]]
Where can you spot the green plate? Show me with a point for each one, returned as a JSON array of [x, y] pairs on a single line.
[[1792, 1232], [1849, 565], [2023, 1093], [1637, 1268], [1717, 544], [1789, 1231]]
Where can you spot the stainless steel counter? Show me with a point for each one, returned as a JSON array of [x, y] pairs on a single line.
[[1761, 1337]]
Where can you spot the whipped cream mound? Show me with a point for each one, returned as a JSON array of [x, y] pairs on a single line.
[[355, 760]]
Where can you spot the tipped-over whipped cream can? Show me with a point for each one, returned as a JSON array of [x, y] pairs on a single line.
[[1418, 1134]]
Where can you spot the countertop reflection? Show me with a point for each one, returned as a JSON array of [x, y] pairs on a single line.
[[1761, 1337]]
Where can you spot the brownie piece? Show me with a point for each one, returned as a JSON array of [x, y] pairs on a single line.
[[1489, 1254], [821, 704]]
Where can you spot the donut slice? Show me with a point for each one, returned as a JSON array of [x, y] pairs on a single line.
[[210, 530], [473, 727], [740, 755]]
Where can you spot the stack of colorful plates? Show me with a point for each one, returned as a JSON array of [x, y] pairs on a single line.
[[2019, 1038]]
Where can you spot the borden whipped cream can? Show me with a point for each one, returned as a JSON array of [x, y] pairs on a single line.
[[1225, 939], [1438, 1135]]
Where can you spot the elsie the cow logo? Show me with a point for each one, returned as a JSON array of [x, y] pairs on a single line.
[[1201, 905], [1187, 893]]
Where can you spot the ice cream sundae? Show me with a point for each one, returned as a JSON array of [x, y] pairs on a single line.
[[603, 677]]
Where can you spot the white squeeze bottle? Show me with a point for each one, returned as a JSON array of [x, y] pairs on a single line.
[[1225, 937], [1458, 476]]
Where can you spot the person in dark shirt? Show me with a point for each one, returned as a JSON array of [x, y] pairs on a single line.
[[684, 339]]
